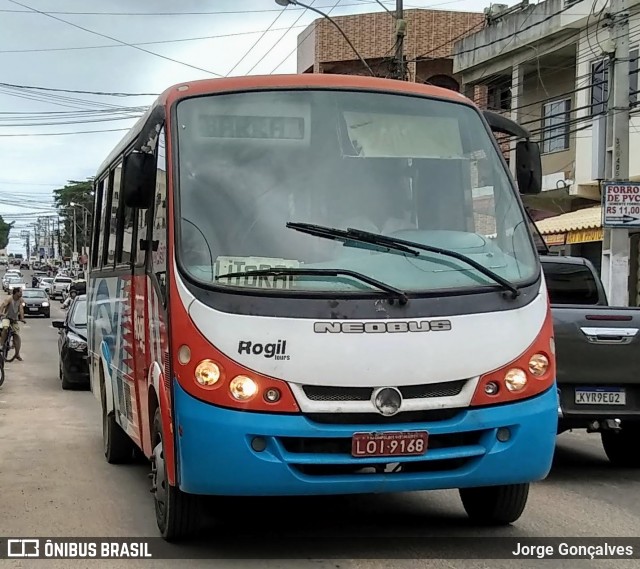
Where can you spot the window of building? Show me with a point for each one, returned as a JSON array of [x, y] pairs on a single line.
[[499, 97], [556, 125], [600, 82]]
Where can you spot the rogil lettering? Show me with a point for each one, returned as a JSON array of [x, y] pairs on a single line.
[[275, 350]]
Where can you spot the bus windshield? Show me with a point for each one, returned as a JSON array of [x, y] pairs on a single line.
[[421, 169]]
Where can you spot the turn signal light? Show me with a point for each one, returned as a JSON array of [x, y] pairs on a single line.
[[532, 373]]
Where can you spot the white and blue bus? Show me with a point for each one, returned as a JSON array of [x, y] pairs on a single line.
[[321, 285]]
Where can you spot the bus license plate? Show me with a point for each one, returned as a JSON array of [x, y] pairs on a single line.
[[600, 397], [389, 444]]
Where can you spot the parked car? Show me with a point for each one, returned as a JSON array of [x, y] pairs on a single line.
[[6, 277], [12, 282], [25, 265], [36, 302], [72, 345], [59, 284], [598, 359]]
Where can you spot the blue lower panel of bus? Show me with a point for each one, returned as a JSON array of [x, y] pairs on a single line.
[[300, 457]]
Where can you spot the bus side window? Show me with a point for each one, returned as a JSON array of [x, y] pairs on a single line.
[[125, 241], [113, 216], [159, 225], [98, 226]]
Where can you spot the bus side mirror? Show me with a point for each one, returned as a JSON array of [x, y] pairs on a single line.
[[528, 167], [139, 180]]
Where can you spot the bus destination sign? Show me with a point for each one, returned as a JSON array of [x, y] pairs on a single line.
[[252, 127]]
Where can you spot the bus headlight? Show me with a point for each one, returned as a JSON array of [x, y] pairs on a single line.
[[207, 373], [243, 388], [515, 379], [538, 365]]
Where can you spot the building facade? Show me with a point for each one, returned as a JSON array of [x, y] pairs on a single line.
[[430, 35], [546, 66]]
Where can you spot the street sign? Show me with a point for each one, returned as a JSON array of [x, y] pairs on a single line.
[[620, 204]]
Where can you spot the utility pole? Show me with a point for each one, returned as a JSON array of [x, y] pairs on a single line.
[[75, 235], [58, 236], [616, 249], [401, 31]]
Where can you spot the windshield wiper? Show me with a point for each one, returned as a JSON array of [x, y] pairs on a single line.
[[395, 292], [346, 236], [401, 245]]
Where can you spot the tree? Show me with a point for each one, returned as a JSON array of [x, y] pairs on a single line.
[[77, 192], [5, 229]]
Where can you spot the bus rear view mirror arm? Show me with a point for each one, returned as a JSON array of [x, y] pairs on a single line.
[[139, 180]]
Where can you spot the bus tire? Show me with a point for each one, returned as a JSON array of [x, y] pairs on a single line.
[[495, 505], [623, 448], [177, 513], [118, 447]]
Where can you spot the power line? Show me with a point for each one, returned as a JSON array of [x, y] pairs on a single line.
[[220, 12], [157, 42], [63, 133], [203, 13], [281, 38], [251, 48], [78, 91], [115, 39], [301, 41]]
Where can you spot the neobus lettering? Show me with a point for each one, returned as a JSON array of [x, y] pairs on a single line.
[[381, 327]]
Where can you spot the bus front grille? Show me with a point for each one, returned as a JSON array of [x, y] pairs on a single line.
[[424, 391], [332, 456]]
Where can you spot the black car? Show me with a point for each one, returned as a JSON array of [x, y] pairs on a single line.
[[72, 345], [36, 302]]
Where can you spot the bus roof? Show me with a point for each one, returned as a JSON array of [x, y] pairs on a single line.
[[299, 81]]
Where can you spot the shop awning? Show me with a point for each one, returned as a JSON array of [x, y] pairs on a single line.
[[581, 226]]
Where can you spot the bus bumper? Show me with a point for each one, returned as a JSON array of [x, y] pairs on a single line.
[[215, 455]]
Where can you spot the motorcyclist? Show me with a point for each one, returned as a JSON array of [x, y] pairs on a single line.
[[12, 311]]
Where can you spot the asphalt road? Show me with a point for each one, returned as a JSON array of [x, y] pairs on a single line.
[[55, 482]]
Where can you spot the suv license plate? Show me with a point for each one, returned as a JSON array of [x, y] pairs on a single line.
[[599, 396]]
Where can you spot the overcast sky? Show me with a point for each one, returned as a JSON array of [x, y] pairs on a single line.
[[38, 50]]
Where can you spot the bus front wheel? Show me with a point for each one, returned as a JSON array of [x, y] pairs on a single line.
[[177, 513], [495, 505]]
